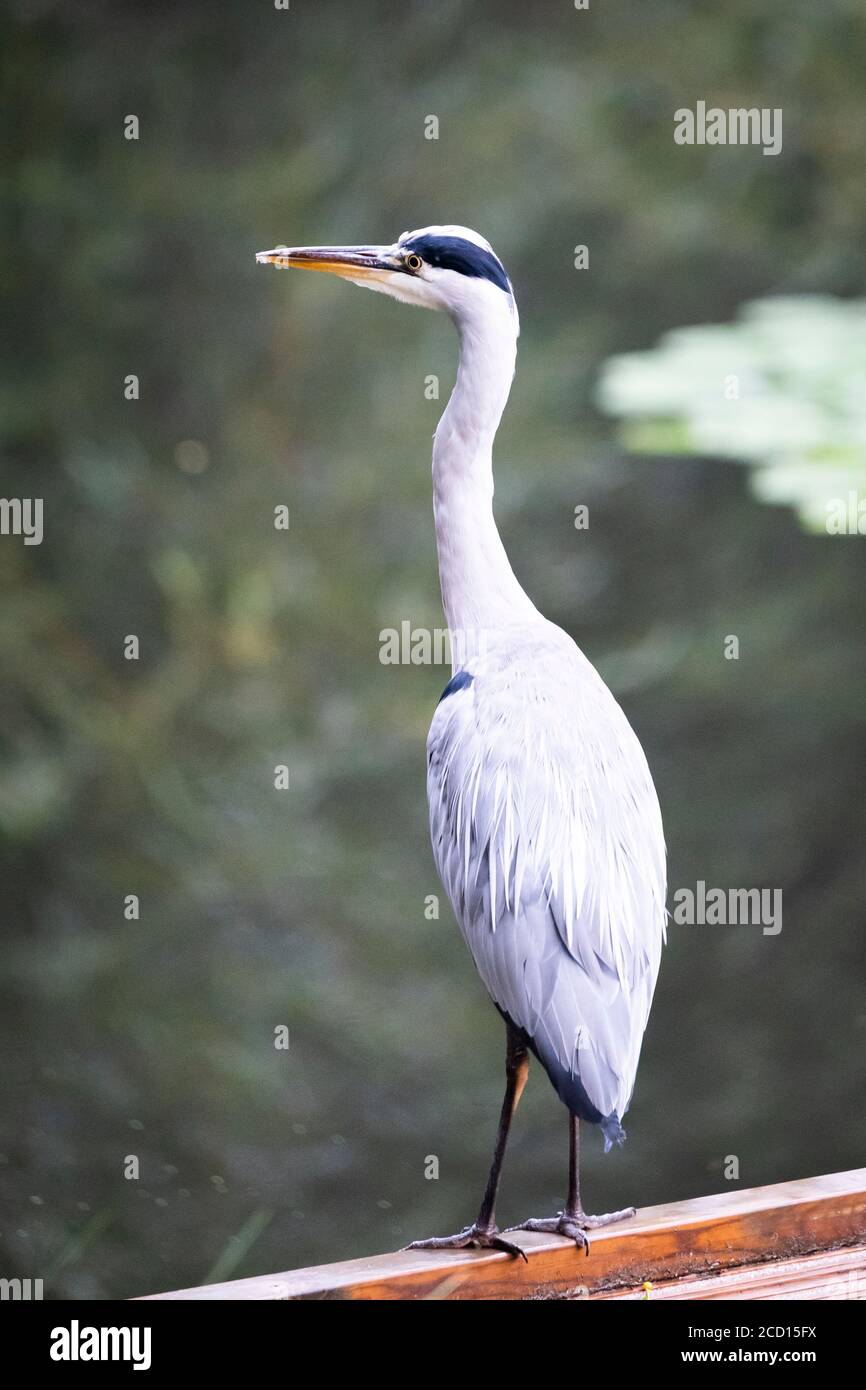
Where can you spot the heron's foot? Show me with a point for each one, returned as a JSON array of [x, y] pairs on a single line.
[[573, 1225], [474, 1237]]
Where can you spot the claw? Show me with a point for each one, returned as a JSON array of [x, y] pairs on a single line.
[[561, 1225], [577, 1234], [509, 1249]]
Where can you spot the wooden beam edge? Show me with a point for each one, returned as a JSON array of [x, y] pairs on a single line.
[[826, 1274], [663, 1242]]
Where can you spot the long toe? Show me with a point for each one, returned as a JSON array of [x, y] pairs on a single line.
[[461, 1241], [593, 1222], [474, 1237], [538, 1223]]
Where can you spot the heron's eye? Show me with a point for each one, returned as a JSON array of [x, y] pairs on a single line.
[[413, 262]]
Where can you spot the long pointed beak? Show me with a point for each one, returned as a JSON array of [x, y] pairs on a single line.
[[352, 262]]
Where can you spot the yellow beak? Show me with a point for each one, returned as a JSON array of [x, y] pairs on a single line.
[[352, 262]]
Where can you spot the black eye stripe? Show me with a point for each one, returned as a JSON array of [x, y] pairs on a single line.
[[455, 253]]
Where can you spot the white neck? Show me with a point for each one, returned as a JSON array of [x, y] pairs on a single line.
[[479, 590]]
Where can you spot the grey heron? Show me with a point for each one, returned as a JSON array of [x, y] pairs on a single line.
[[545, 823]]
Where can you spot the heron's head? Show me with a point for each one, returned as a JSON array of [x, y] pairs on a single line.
[[450, 268]]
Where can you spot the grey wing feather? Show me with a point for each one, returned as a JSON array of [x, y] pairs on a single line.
[[547, 835]]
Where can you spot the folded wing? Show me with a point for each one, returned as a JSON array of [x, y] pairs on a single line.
[[548, 838]]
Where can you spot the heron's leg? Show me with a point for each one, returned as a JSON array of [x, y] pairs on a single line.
[[573, 1221], [484, 1231], [516, 1072]]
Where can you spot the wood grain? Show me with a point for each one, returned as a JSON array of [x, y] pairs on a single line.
[[836, 1275]]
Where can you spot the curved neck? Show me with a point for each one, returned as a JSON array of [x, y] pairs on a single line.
[[479, 590]]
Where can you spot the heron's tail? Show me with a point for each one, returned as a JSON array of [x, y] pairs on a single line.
[[613, 1131], [572, 1093]]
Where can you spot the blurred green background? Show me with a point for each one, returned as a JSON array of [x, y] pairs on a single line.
[[305, 908]]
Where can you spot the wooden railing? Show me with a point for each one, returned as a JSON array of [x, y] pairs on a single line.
[[803, 1239]]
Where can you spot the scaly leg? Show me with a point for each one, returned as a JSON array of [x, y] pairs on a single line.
[[484, 1232], [573, 1222]]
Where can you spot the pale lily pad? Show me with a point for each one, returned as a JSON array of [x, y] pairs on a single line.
[[782, 389]]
